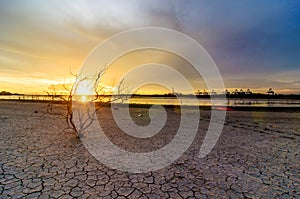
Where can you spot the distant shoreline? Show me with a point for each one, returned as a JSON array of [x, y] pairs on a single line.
[[230, 96], [206, 107]]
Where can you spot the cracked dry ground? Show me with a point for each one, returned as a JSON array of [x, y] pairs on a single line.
[[257, 156]]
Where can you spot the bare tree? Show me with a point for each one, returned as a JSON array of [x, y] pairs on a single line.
[[101, 98]]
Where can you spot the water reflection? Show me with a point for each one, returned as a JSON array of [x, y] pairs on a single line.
[[175, 101]]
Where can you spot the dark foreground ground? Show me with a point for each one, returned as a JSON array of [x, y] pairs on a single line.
[[257, 156]]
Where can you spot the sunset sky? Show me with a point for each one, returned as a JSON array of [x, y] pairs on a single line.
[[255, 44]]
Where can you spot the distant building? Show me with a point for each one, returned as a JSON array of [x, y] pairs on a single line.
[[198, 92], [270, 92], [248, 92], [205, 92], [213, 92]]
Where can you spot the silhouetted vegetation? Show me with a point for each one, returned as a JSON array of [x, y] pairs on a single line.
[[66, 111], [8, 93]]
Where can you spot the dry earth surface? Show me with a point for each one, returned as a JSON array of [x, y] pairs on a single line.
[[257, 156]]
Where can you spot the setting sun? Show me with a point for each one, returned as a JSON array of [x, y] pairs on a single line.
[[83, 98], [84, 87]]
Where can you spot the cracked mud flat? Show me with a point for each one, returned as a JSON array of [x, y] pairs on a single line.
[[257, 156]]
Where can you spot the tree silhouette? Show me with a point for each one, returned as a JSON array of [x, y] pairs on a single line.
[[66, 111]]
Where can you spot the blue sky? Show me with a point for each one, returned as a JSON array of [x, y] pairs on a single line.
[[255, 43]]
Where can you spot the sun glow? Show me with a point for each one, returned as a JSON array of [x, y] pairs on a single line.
[[85, 88], [83, 98]]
